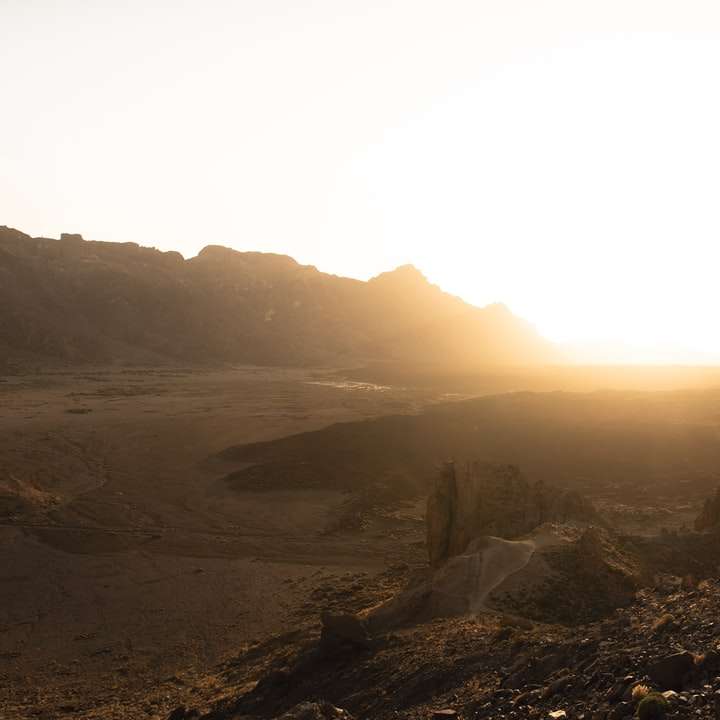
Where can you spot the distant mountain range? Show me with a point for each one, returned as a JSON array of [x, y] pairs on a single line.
[[87, 301]]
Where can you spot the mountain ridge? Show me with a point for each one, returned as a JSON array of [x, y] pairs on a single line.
[[91, 301]]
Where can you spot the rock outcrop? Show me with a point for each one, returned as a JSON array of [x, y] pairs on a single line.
[[487, 499], [709, 518], [671, 671]]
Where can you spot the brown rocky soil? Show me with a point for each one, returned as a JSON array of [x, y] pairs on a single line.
[[158, 521], [496, 666], [127, 562]]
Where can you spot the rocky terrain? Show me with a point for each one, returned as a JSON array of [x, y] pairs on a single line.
[[98, 302], [212, 538], [127, 565], [634, 454], [533, 603], [496, 666], [650, 646], [497, 500]]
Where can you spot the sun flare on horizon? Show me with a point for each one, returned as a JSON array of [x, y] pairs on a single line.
[[359, 359], [559, 159]]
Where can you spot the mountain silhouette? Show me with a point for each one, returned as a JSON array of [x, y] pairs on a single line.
[[90, 301]]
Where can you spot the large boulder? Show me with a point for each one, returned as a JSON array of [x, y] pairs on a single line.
[[670, 672], [489, 499], [343, 629]]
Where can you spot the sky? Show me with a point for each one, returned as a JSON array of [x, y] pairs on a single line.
[[561, 157]]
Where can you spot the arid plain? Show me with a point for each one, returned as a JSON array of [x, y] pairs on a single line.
[[133, 559], [126, 557]]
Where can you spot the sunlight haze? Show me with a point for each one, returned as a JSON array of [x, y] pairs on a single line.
[[359, 359], [562, 158]]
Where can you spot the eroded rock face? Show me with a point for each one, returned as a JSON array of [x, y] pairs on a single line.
[[709, 518], [486, 499]]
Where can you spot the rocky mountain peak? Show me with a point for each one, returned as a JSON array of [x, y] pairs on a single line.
[[105, 301], [403, 275]]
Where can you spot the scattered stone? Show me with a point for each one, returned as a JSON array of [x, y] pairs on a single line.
[[182, 713], [617, 690], [556, 686], [670, 672], [525, 698], [344, 627], [315, 711], [621, 710]]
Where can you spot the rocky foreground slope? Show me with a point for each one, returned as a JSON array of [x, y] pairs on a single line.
[[589, 625], [100, 302], [495, 666]]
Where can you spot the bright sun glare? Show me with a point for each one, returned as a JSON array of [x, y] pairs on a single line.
[[565, 164], [584, 179]]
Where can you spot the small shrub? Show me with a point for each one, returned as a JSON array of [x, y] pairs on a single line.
[[652, 707], [640, 692], [664, 622]]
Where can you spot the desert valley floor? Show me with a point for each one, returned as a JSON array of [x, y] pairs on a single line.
[[126, 558], [131, 558]]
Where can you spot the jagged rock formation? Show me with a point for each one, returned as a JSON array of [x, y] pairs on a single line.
[[489, 499], [561, 568], [586, 575], [80, 300], [474, 567], [579, 624], [709, 518]]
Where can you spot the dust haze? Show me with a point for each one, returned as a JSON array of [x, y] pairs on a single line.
[[359, 361], [190, 508]]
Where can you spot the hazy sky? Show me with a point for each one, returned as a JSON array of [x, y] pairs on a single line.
[[561, 157]]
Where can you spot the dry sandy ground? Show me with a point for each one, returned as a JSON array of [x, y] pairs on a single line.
[[128, 565], [125, 560]]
